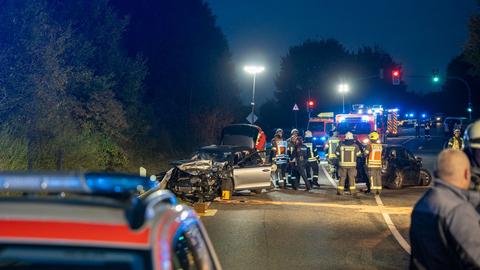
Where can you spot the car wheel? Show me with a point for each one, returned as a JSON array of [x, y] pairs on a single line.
[[397, 182], [425, 177]]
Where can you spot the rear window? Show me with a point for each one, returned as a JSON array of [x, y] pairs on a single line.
[[31, 257]]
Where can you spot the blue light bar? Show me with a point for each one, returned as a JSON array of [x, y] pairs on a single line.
[[324, 138], [89, 183]]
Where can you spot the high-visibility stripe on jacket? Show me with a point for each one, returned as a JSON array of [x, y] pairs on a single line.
[[312, 151], [332, 147], [280, 146], [374, 151], [348, 155], [455, 143]]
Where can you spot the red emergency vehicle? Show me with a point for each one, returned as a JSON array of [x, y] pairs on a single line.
[[361, 125], [320, 127]]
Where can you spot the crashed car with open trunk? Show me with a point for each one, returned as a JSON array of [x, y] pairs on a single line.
[[238, 163]]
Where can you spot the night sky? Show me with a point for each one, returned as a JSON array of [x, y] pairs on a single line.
[[419, 34]]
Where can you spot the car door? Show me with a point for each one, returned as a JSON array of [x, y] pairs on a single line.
[[413, 169], [252, 173], [408, 165]]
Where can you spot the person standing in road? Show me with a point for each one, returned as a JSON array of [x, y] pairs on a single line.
[[331, 149], [456, 142], [291, 172], [445, 230], [348, 152], [373, 153], [312, 166], [280, 157], [299, 160], [427, 130], [417, 129]]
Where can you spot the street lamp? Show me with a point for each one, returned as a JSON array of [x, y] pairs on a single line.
[[253, 70], [343, 88]]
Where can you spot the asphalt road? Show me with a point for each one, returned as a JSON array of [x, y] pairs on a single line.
[[318, 230]]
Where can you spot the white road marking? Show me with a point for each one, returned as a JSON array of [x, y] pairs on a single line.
[[393, 229], [329, 177]]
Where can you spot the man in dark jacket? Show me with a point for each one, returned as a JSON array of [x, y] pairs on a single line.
[[445, 229]]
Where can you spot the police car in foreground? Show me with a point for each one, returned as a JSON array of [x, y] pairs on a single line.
[[97, 221]]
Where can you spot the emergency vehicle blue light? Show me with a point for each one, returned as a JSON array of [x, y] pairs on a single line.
[[411, 115], [406, 115], [89, 183], [324, 138], [424, 115], [104, 183], [315, 138]]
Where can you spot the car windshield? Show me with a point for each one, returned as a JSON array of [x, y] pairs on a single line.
[[354, 127], [32, 257], [317, 126], [215, 155]]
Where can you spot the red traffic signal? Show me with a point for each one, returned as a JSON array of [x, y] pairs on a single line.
[[396, 77], [310, 104]]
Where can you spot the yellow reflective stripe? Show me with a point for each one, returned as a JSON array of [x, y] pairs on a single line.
[[340, 188], [352, 188]]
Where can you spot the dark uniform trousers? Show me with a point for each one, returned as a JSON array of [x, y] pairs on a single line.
[[300, 170], [347, 174], [312, 171], [375, 178]]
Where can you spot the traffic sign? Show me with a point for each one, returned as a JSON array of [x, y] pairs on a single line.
[[295, 107], [249, 118]]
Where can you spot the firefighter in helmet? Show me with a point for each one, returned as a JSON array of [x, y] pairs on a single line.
[[298, 157], [279, 156], [471, 139], [373, 154], [347, 151], [312, 159], [456, 142], [291, 173], [330, 150]]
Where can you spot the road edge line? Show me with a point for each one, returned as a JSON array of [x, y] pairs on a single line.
[[391, 226], [329, 177]]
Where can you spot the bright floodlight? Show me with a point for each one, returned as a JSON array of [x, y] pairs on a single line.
[[343, 88], [254, 69]]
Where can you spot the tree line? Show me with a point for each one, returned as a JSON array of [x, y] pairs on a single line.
[[118, 84]]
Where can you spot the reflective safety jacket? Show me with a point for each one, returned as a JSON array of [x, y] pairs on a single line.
[[455, 143], [279, 149], [374, 155], [348, 152], [311, 151], [331, 147]]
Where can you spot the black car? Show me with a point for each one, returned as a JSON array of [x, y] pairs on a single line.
[[401, 168]]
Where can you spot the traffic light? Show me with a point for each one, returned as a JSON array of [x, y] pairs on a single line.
[[435, 76], [310, 104], [396, 76]]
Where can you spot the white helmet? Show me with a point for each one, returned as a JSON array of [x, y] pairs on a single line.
[[308, 134], [349, 136], [471, 137], [294, 131]]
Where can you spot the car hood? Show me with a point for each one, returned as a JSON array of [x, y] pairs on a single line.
[[196, 167]]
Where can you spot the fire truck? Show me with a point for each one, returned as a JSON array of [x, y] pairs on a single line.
[[320, 127], [361, 125]]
